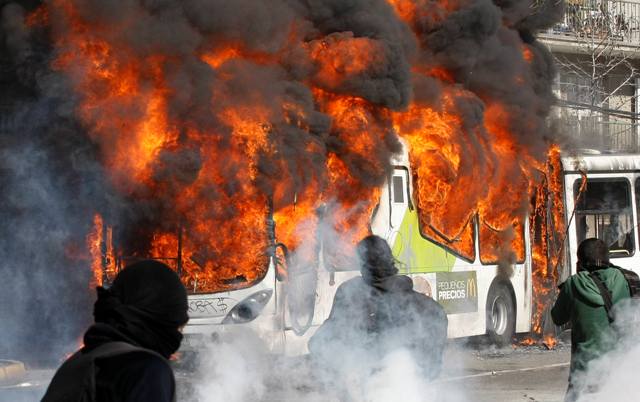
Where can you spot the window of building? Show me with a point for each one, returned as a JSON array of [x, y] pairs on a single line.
[[577, 88], [604, 210]]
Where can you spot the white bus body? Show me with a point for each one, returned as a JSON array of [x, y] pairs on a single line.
[[477, 296], [608, 208]]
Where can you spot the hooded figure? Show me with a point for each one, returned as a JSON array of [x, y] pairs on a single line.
[[581, 303], [379, 312], [137, 328]]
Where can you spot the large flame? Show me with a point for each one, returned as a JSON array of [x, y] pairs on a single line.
[[548, 234], [295, 135]]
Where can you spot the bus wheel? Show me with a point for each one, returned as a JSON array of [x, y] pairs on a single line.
[[501, 315]]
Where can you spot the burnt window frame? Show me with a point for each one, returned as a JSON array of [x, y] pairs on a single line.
[[473, 221], [524, 245]]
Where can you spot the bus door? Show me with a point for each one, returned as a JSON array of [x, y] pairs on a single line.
[[398, 201], [605, 210]]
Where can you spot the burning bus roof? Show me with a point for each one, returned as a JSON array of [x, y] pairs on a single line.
[[601, 163]]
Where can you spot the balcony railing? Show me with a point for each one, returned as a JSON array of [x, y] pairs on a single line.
[[602, 135], [587, 20]]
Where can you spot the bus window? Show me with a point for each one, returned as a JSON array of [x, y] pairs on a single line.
[[461, 244], [604, 211], [506, 244], [454, 235], [398, 197]]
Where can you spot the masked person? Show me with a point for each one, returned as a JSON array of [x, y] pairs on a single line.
[[137, 328], [377, 313], [585, 300]]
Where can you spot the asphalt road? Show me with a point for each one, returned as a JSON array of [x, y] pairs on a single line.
[[471, 373], [532, 374]]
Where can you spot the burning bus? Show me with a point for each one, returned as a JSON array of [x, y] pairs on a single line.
[[489, 280], [252, 161]]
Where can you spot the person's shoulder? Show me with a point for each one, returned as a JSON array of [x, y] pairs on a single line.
[[579, 281], [142, 361], [617, 271], [612, 274], [427, 302], [578, 277], [621, 279], [136, 372], [354, 282]]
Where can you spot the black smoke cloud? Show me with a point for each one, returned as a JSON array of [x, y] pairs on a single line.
[[481, 42], [49, 177], [53, 177]]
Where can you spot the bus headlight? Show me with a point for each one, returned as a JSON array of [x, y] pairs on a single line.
[[248, 309]]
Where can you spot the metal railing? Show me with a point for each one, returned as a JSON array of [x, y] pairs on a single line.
[[600, 19], [594, 133]]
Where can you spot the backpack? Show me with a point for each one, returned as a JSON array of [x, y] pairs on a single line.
[[633, 281], [75, 380]]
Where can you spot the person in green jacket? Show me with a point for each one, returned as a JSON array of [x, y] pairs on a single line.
[[581, 303]]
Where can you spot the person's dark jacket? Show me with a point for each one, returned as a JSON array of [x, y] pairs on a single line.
[[142, 310], [381, 316], [580, 303], [113, 372], [134, 377]]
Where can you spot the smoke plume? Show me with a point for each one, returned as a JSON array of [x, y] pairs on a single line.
[[210, 117], [608, 377]]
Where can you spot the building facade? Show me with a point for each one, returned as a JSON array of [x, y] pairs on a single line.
[[597, 51]]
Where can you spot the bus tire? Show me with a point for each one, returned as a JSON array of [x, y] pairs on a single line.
[[501, 315]]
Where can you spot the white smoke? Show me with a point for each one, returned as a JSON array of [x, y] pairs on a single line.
[[233, 369], [612, 377], [236, 367], [399, 379]]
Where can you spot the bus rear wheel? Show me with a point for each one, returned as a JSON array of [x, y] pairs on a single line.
[[501, 315]]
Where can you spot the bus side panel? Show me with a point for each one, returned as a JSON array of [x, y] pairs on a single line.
[[472, 324], [475, 323], [521, 282], [569, 201]]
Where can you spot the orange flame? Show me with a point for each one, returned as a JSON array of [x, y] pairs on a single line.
[[463, 173], [101, 252], [548, 234], [94, 245]]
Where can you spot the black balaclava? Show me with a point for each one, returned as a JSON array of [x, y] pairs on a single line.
[[593, 254], [146, 305], [376, 259]]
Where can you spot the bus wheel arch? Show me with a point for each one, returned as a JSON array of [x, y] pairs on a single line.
[[501, 312]]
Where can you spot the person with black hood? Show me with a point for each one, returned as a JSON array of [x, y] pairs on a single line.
[[378, 312], [583, 302], [138, 322]]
